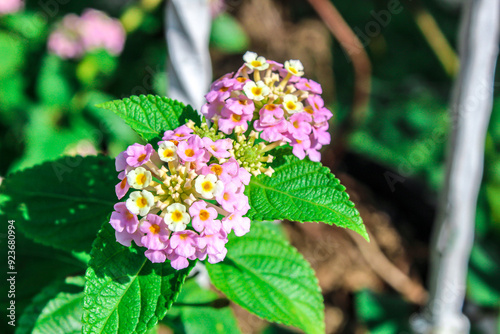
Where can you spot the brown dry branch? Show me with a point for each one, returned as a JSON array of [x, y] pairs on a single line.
[[386, 270], [357, 54]]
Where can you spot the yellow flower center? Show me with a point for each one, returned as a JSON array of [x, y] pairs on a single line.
[[141, 157], [309, 110], [256, 91], [235, 118], [256, 63], [155, 229], [189, 152], [183, 236], [207, 186], [140, 179], [270, 107], [217, 169], [291, 105], [176, 216], [129, 216], [241, 79], [293, 70], [226, 197], [296, 124], [204, 215], [123, 184], [168, 153], [142, 202]]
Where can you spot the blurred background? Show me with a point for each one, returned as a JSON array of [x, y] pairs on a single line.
[[58, 59]]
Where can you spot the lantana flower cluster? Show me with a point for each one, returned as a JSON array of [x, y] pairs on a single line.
[[281, 105], [77, 35], [185, 195]]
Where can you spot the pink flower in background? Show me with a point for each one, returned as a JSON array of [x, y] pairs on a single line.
[[65, 41], [99, 31], [76, 35], [10, 6]]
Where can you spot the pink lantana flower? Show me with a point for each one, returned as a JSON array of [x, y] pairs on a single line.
[[212, 109], [232, 120], [300, 147], [136, 155], [320, 136], [122, 219], [215, 246], [157, 233], [299, 125], [232, 198], [121, 161], [236, 222], [218, 148], [181, 133], [233, 173], [122, 187], [156, 256], [126, 238], [220, 90], [240, 106], [204, 218], [191, 149], [309, 86], [178, 262], [185, 243]]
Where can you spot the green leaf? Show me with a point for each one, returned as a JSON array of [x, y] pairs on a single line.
[[125, 292], [228, 35], [382, 313], [50, 132], [197, 318], [13, 50], [483, 286], [53, 85], [302, 191], [61, 203], [263, 273], [56, 309], [151, 115], [40, 265]]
